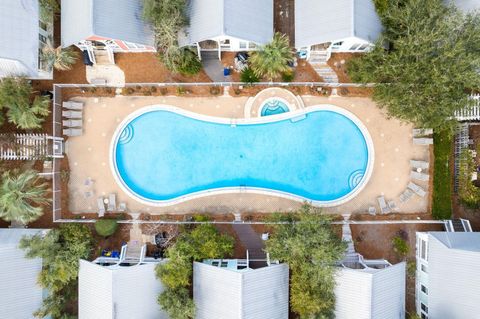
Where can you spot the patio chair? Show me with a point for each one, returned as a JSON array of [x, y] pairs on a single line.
[[419, 176], [419, 164], [372, 210], [406, 195], [72, 114], [423, 141], [383, 205], [72, 132], [422, 132], [417, 189], [393, 207], [72, 123], [72, 105], [122, 207], [112, 203], [101, 207]]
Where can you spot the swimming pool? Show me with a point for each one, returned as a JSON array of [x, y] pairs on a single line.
[[162, 155], [274, 106]]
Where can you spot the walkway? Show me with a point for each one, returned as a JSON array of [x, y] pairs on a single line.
[[214, 67], [251, 240], [318, 60], [284, 18]]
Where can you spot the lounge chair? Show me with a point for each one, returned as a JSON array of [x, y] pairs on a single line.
[[383, 205], [393, 207], [419, 164], [422, 132], [72, 114], [419, 176], [372, 210], [72, 105], [101, 207], [417, 189], [72, 123], [423, 141], [72, 132], [406, 195], [112, 203]]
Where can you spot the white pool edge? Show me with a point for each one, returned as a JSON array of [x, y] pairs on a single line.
[[243, 189]]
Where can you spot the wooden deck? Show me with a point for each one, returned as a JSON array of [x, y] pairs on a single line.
[[284, 18]]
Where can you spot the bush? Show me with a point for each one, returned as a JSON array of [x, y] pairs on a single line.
[[288, 76], [248, 76], [106, 227], [468, 193], [442, 192], [181, 90], [215, 90], [177, 303], [400, 246]]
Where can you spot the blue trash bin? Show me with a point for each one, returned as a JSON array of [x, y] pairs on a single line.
[[226, 71]]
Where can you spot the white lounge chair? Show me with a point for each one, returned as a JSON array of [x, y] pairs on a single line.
[[383, 205], [101, 207], [122, 207], [419, 176], [112, 203], [72, 105], [406, 195], [417, 189], [393, 207], [72, 123], [72, 132], [422, 132], [423, 141], [72, 114], [372, 210], [419, 164]]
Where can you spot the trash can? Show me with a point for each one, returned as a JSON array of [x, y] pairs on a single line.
[[226, 71]]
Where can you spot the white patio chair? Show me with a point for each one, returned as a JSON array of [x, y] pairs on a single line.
[[423, 141], [72, 114], [406, 195], [72, 105], [122, 207], [73, 132], [419, 176], [419, 164], [112, 203], [383, 205], [372, 210], [72, 123], [417, 189], [101, 207], [393, 207]]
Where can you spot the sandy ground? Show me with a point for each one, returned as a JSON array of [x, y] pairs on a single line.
[[89, 157]]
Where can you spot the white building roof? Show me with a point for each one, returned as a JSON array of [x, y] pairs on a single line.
[[453, 274], [20, 295], [370, 293], [249, 20], [466, 5], [110, 19], [253, 293], [320, 21], [118, 292], [19, 38]]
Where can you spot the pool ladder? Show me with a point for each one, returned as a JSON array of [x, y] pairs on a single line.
[[233, 123]]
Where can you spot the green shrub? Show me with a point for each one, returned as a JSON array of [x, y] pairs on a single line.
[[400, 246], [106, 227], [468, 193], [188, 62], [442, 191], [215, 90], [288, 76], [181, 90], [248, 76], [177, 303]]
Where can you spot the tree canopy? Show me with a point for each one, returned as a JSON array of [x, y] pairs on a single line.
[[311, 249], [431, 63]]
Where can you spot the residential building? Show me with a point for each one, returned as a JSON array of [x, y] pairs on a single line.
[[323, 26], [20, 294], [234, 289], [102, 27], [228, 25], [447, 276], [466, 5], [120, 288], [22, 37]]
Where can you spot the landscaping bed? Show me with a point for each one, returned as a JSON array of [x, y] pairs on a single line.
[[442, 176], [338, 62]]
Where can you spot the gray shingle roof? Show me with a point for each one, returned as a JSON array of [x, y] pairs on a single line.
[[19, 38], [320, 21], [120, 20], [250, 20]]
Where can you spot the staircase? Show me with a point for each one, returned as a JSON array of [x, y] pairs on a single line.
[[458, 225], [103, 56], [318, 60]]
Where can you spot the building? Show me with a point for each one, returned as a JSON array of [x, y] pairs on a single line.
[[231, 289], [323, 26], [228, 25], [22, 37], [120, 288], [103, 27], [20, 295], [447, 277], [368, 289], [466, 5]]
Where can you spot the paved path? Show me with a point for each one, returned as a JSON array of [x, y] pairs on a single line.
[[284, 18], [214, 67], [251, 240]]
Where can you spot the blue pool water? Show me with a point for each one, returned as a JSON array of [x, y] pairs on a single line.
[[273, 107], [162, 155]]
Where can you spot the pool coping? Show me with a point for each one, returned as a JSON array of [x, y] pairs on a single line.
[[242, 121]]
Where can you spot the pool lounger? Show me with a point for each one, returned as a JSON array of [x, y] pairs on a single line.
[[419, 164], [383, 205], [112, 203], [72, 105], [73, 132], [423, 141], [72, 114], [101, 207], [406, 195], [419, 176], [72, 123], [417, 189], [393, 207], [417, 132]]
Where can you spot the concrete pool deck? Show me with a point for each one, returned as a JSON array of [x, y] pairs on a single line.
[[89, 157]]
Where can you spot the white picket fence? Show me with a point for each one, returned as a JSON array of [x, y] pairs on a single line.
[[24, 147], [470, 114]]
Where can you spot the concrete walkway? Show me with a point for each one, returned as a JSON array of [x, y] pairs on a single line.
[[214, 67]]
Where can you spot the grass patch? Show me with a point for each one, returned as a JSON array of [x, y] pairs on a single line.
[[442, 179]]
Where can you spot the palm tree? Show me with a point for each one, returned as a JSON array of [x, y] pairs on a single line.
[[21, 196], [272, 59], [26, 116], [58, 58]]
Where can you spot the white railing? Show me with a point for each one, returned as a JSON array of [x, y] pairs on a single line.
[[471, 113], [25, 147]]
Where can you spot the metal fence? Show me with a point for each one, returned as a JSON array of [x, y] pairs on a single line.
[[472, 113]]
